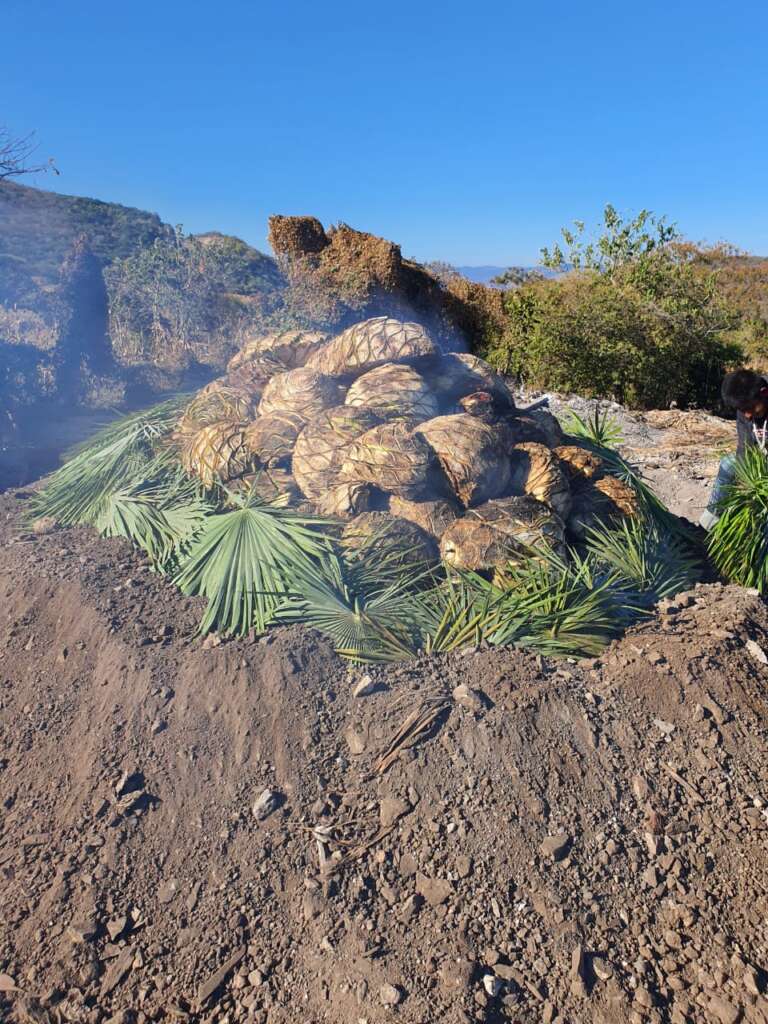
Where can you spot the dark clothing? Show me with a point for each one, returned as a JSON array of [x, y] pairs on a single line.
[[744, 429]]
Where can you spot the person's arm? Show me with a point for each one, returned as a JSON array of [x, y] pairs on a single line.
[[743, 433]]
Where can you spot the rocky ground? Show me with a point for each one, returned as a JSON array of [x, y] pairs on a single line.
[[251, 831]]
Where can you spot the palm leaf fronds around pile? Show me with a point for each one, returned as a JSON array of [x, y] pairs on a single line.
[[160, 519], [554, 606], [364, 601], [249, 561], [738, 543], [122, 454], [642, 564]]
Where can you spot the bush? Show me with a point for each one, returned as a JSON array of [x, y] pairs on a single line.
[[650, 333]]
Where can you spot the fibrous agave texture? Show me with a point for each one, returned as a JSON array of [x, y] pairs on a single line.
[[394, 390], [288, 349], [392, 458], [271, 438], [272, 485], [344, 500], [217, 453], [303, 391], [371, 528], [472, 455], [217, 402], [597, 502], [434, 517], [322, 445], [536, 471], [372, 343], [501, 531]]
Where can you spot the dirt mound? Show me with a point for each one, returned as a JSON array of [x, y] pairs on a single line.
[[229, 833]]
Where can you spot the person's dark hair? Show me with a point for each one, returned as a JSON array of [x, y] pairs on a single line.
[[741, 388]]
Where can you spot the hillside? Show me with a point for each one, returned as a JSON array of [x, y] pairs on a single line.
[[37, 229]]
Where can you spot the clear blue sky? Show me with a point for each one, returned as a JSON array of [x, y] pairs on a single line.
[[467, 132]]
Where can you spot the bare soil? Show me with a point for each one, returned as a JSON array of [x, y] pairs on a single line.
[[226, 833]]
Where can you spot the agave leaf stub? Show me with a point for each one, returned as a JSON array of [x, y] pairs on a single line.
[[536, 471], [391, 457], [434, 517], [598, 502], [322, 445], [217, 453], [472, 454], [394, 390], [579, 464], [501, 531], [303, 391], [372, 343], [271, 485], [345, 500]]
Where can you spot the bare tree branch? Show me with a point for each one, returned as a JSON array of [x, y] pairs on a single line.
[[15, 154]]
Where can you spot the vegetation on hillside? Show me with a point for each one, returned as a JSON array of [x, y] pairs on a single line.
[[187, 299], [636, 319]]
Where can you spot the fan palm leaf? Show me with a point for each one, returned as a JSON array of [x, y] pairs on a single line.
[[247, 563]]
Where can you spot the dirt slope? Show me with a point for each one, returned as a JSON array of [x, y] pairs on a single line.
[[559, 842]]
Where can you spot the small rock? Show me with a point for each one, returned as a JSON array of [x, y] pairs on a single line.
[[555, 847], [757, 652], [266, 803], [602, 968], [456, 975], [434, 890], [157, 726], [492, 985], [116, 927], [643, 997], [409, 908], [83, 931], [167, 891], [390, 995], [364, 687], [666, 727], [256, 979], [355, 741], [7, 984], [391, 809], [724, 1011], [467, 698]]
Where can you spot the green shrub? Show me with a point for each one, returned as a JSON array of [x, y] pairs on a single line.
[[644, 335]]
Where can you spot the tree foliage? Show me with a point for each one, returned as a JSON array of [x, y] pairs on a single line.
[[636, 320]]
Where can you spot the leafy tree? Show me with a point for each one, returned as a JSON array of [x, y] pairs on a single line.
[[621, 242], [514, 277], [637, 320]]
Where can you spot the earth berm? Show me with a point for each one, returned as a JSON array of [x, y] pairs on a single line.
[[251, 831]]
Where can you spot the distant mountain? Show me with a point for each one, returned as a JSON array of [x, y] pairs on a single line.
[[484, 275]]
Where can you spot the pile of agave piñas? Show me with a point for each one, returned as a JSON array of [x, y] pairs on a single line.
[[384, 492], [380, 427]]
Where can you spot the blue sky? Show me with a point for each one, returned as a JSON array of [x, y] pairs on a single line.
[[465, 132]]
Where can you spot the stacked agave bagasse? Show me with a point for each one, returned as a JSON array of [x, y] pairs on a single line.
[[381, 427]]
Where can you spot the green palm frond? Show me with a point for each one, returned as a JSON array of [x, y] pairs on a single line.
[[642, 563], [124, 453], [738, 543], [160, 520], [458, 612], [249, 561], [598, 428], [555, 607], [364, 601]]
